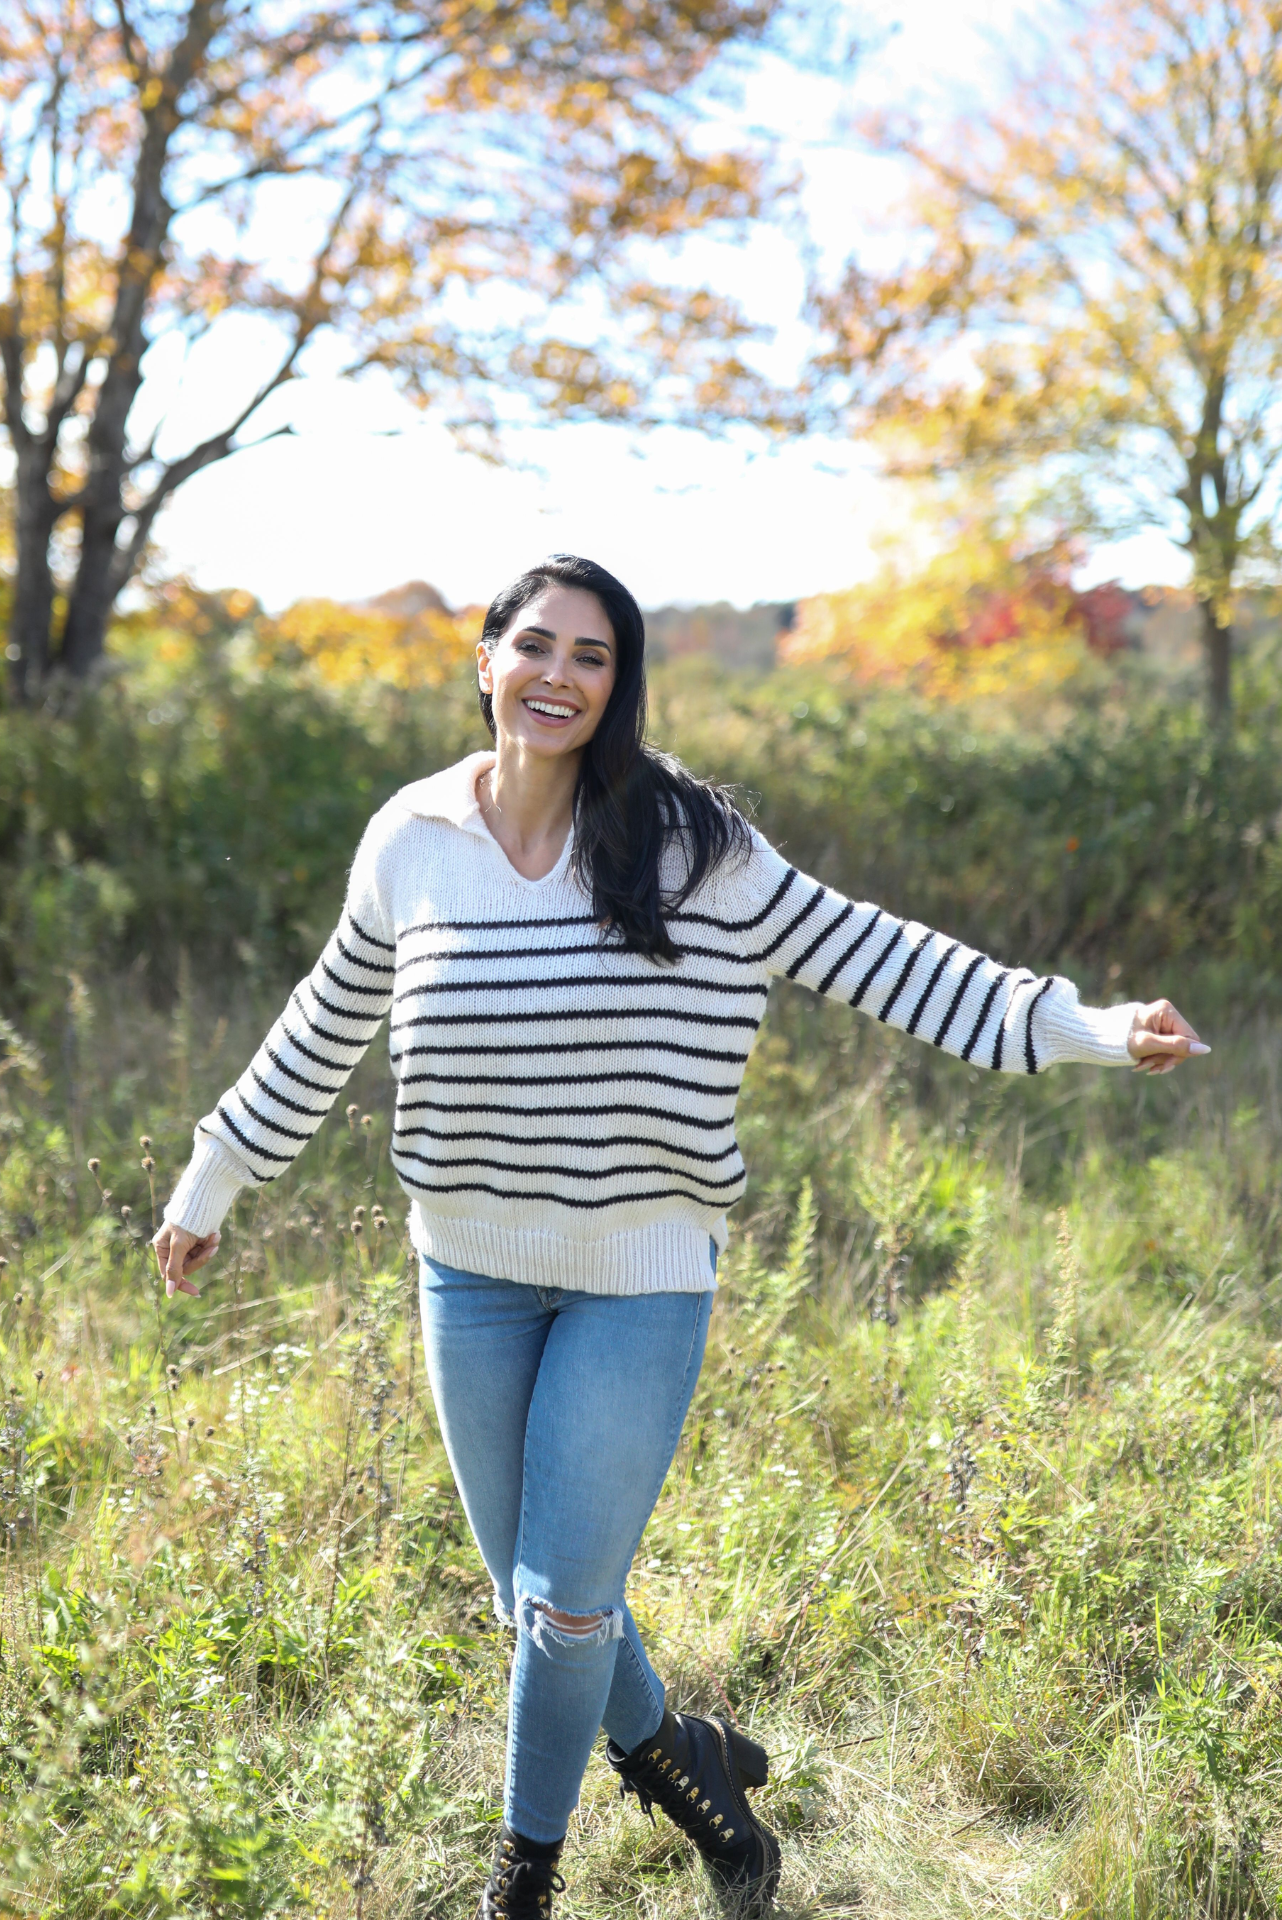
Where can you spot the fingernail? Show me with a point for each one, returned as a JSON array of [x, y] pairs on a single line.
[[1198, 1046]]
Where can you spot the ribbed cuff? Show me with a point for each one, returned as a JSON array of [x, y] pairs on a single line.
[[1066, 1030], [209, 1183]]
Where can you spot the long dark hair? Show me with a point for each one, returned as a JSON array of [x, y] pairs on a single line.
[[630, 803]]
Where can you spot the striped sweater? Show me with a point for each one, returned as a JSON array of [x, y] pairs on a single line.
[[565, 1110]]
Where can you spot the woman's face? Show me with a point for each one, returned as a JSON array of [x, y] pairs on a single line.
[[552, 673]]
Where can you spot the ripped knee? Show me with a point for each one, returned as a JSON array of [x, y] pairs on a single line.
[[552, 1629]]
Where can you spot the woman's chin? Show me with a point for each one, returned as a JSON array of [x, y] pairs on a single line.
[[549, 741]]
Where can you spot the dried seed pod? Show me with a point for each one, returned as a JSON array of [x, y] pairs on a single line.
[[358, 1213], [367, 1119], [94, 1164], [148, 1164], [39, 1375], [125, 1212], [352, 1109], [191, 1421], [144, 1141], [209, 1433]]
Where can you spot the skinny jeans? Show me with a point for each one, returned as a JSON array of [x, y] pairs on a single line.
[[560, 1412]]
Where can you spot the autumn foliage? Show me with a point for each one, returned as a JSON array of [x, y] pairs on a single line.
[[398, 641], [979, 618]]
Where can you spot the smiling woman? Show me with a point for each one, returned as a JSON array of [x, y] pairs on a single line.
[[575, 939]]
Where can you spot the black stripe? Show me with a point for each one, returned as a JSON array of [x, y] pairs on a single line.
[[556, 1199], [322, 1033], [546, 1017], [274, 1126], [259, 1153], [1021, 979], [294, 1106], [878, 964], [563, 1140], [497, 926], [740, 926], [370, 966], [849, 954], [989, 997], [368, 993], [335, 1039], [931, 984], [1029, 1056], [818, 941], [589, 919], [559, 1080], [956, 1001], [301, 1078], [465, 1111], [577, 1046], [902, 981], [342, 1013], [388, 946], [436, 954], [565, 1173], [794, 923], [595, 980]]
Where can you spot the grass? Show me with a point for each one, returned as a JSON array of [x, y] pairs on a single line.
[[976, 1521]]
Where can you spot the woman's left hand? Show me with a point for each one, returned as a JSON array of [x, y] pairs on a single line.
[[1161, 1037]]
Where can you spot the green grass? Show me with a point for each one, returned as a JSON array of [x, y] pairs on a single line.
[[976, 1521]]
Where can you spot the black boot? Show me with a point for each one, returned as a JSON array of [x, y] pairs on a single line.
[[522, 1879], [697, 1771]]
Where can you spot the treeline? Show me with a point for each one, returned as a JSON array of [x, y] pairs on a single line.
[[213, 813]]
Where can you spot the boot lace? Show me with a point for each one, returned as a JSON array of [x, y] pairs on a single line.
[[522, 1890], [681, 1797]]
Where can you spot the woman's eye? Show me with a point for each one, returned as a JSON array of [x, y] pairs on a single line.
[[591, 660]]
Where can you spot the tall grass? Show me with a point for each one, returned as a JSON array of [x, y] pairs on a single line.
[[975, 1518]]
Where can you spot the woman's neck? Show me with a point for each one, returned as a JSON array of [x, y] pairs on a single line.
[[527, 802]]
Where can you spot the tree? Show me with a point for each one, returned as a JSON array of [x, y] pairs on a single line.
[[1092, 293], [427, 184], [978, 618]]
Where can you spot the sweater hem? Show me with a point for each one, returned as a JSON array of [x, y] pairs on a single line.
[[667, 1256]]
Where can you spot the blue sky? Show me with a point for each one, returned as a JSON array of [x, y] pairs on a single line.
[[370, 493]]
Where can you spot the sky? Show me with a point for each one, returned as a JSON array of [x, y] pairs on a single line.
[[368, 492]]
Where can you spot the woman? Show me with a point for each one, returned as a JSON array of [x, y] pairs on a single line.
[[575, 940]]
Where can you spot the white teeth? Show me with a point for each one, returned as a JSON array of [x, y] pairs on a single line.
[[545, 706]]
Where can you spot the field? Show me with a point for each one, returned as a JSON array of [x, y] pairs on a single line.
[[973, 1521]]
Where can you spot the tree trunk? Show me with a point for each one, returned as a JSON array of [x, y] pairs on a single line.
[[1217, 644], [32, 614], [95, 590]]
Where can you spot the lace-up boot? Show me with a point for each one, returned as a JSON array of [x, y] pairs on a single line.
[[699, 1771], [521, 1882]]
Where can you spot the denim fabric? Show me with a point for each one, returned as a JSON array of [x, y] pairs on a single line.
[[560, 1413]]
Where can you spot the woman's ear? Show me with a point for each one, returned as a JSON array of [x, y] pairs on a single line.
[[483, 667]]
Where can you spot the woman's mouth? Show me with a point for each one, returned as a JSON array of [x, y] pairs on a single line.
[[556, 710]]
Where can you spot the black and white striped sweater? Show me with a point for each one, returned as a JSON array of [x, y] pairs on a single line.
[[565, 1110]]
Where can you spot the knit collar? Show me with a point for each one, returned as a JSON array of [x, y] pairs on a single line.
[[451, 794]]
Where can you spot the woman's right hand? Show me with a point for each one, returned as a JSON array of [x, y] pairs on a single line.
[[180, 1254]]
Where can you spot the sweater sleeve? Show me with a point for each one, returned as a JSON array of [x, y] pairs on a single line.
[[1005, 1018], [261, 1125]]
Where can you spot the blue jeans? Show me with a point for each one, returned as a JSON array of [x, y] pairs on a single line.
[[560, 1413]]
